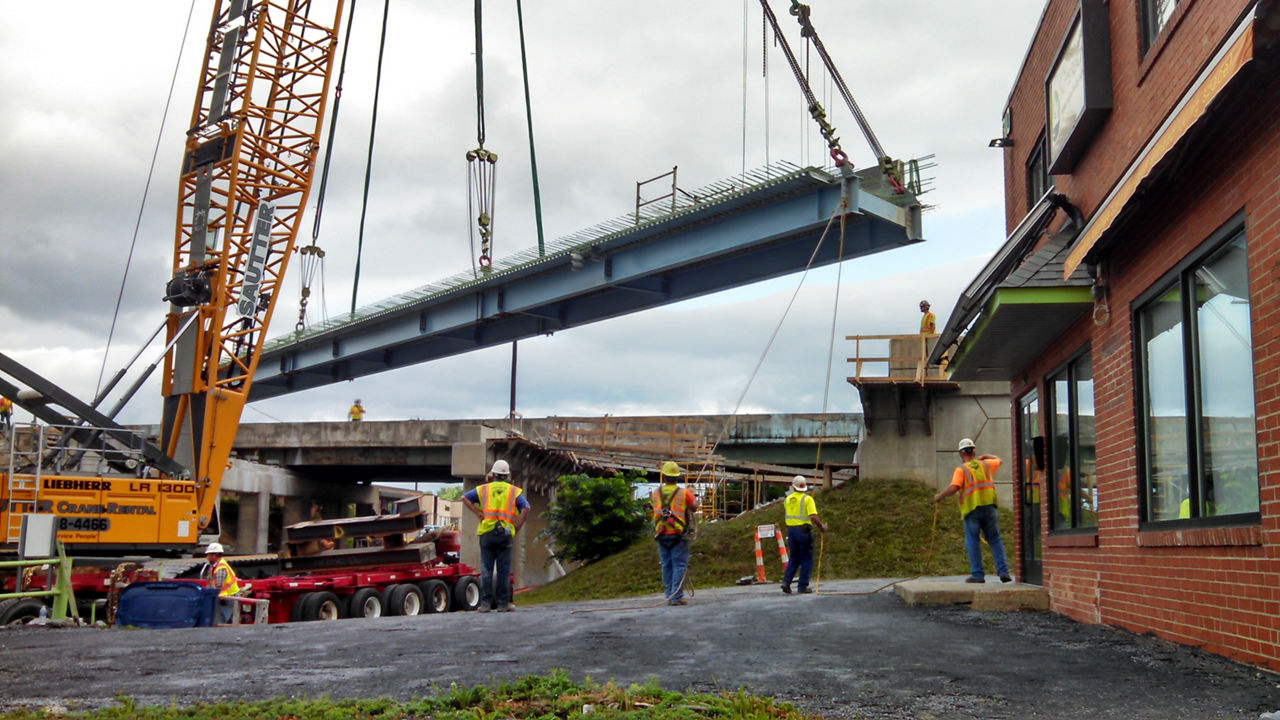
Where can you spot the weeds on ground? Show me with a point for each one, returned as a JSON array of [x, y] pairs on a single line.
[[530, 698]]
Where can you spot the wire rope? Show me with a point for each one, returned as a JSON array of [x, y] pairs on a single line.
[[313, 258], [146, 190], [528, 112], [368, 168]]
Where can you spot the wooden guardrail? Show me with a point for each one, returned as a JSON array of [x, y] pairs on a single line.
[[908, 359]]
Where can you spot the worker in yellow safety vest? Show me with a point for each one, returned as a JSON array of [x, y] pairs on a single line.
[[220, 575], [975, 480], [502, 509], [928, 322], [801, 517], [6, 414], [673, 525], [356, 412]]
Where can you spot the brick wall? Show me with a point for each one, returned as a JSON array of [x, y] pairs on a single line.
[[1215, 588]]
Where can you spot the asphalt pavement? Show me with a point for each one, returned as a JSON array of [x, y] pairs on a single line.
[[835, 655]]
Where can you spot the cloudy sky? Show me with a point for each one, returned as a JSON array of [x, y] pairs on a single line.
[[622, 90]]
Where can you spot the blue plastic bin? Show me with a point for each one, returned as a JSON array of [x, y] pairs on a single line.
[[167, 605]]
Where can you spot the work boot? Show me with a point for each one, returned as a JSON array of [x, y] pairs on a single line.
[[681, 601], [507, 608], [805, 591], [1005, 578], [483, 608], [786, 588], [972, 579]]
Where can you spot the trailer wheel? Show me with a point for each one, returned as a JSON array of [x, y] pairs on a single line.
[[403, 599], [19, 611], [297, 614], [436, 595], [364, 603], [323, 606], [466, 593]]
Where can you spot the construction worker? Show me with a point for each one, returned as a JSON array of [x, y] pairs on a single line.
[[502, 509], [802, 517], [6, 414], [975, 480], [356, 413], [673, 524], [928, 323], [220, 575]]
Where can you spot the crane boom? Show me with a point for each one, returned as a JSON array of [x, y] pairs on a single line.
[[247, 169]]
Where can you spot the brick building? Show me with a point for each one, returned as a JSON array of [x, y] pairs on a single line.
[[1134, 311]]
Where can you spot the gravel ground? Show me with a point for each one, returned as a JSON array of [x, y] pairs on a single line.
[[840, 656]]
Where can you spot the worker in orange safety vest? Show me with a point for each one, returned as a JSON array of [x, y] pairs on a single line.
[[975, 480], [673, 525]]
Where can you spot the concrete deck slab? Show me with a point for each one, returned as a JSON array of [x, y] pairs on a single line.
[[995, 596]]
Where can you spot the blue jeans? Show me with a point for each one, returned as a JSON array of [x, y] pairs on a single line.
[[984, 519], [495, 568], [799, 555], [674, 556]]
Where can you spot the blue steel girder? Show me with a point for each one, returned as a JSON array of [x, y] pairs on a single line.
[[752, 235]]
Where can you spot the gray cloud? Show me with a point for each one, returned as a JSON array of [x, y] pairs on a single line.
[[621, 92]]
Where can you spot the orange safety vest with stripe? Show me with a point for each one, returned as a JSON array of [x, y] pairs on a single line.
[[979, 486], [670, 519], [498, 503], [928, 324], [228, 584], [6, 405]]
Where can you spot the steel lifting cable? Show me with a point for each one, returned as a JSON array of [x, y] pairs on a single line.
[[146, 189], [368, 167], [482, 164], [801, 12], [815, 108], [313, 255]]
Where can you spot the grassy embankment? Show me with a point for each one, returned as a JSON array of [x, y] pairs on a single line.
[[878, 529]]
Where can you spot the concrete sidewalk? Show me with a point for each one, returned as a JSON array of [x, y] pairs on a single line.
[[840, 653]]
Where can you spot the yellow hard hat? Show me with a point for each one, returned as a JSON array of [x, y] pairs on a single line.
[[670, 469]]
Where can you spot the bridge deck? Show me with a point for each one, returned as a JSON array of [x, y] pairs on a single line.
[[727, 235]]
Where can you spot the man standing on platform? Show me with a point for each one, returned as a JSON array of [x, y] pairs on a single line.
[[975, 480]]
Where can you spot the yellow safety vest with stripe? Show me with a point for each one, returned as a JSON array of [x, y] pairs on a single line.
[[6, 405], [229, 585], [799, 506], [674, 522], [498, 503], [979, 486], [928, 324]]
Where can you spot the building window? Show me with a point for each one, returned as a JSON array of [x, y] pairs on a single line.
[[1155, 15], [1200, 458], [1072, 451], [1037, 173]]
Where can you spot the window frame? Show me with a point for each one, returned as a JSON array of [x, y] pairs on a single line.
[[1180, 276], [1069, 370], [1039, 154]]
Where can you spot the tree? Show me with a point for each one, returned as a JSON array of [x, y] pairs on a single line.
[[453, 492], [594, 517]]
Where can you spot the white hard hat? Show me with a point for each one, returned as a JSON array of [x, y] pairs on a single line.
[[965, 444], [799, 485], [500, 467], [214, 548]]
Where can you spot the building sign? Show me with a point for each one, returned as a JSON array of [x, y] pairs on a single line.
[[1078, 88]]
